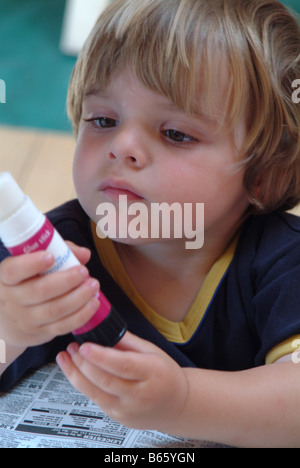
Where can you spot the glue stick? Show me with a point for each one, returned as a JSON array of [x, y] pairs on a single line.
[[25, 229]]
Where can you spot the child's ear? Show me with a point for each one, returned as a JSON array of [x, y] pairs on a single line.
[[269, 190], [255, 194]]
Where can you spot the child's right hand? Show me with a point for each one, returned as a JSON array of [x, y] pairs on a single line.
[[36, 308]]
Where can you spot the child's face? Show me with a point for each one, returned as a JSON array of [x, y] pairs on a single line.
[[135, 142]]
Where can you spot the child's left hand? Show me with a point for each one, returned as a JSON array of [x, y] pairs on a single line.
[[135, 383]]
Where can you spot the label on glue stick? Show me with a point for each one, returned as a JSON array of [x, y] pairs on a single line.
[[47, 238]]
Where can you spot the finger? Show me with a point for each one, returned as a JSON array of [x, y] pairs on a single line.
[[58, 309], [83, 254], [48, 287], [15, 270], [131, 342], [129, 365], [83, 384], [72, 321], [104, 380]]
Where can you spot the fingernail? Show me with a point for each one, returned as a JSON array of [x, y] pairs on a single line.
[[84, 272], [93, 284], [85, 350], [48, 259], [61, 359], [72, 348]]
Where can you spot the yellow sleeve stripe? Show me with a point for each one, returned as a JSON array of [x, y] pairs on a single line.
[[288, 346]]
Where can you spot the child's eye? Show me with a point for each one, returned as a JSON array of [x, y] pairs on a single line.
[[103, 122], [179, 137]]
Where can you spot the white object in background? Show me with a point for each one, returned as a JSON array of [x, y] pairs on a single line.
[[79, 19]]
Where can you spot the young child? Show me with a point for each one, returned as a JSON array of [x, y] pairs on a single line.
[[186, 101]]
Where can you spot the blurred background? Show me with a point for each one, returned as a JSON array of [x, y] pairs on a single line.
[[39, 42]]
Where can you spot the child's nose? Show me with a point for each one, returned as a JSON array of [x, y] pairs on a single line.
[[129, 146]]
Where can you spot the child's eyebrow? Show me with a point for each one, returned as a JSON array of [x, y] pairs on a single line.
[[93, 92], [200, 117]]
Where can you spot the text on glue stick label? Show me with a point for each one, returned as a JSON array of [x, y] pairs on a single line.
[[40, 241]]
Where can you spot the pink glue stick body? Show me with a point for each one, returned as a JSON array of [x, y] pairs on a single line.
[[24, 229]]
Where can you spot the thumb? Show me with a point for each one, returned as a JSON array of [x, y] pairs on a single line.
[[81, 253], [131, 342]]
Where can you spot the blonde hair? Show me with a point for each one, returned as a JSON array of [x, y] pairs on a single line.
[[178, 48]]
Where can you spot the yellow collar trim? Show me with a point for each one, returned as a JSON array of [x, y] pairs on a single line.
[[177, 332]]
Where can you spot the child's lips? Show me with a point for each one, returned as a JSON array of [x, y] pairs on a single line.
[[114, 189], [115, 193]]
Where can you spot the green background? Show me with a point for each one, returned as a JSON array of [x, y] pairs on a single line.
[[35, 71]]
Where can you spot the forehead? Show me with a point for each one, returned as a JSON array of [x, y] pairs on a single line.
[[207, 101], [179, 49]]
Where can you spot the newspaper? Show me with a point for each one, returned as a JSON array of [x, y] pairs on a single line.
[[45, 411]]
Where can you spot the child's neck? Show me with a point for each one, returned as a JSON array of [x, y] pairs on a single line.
[[168, 277]]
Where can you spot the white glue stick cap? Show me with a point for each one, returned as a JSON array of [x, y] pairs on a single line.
[[11, 196], [19, 217]]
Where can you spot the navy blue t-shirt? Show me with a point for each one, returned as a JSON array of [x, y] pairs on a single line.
[[255, 307]]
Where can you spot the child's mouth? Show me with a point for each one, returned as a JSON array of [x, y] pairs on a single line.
[[113, 189]]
